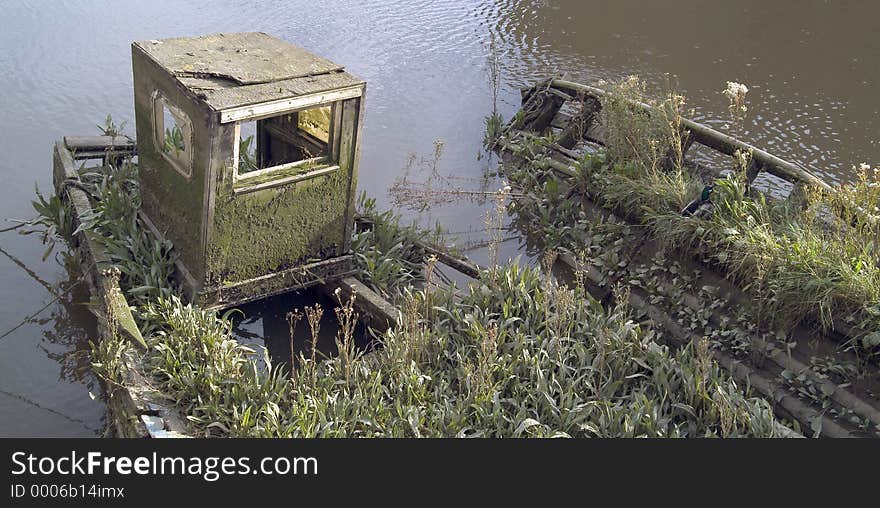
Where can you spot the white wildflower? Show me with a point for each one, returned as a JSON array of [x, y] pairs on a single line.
[[735, 89], [736, 93]]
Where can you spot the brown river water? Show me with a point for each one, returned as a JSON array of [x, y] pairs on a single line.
[[810, 65]]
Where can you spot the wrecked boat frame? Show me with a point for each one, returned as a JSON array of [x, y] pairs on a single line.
[[544, 110]]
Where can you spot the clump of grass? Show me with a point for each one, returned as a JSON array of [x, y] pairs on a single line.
[[635, 136], [385, 254], [211, 377], [173, 141], [110, 128], [146, 262], [799, 268], [109, 360], [53, 222], [494, 125]]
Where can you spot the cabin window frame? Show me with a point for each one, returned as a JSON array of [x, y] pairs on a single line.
[[317, 166], [182, 163]]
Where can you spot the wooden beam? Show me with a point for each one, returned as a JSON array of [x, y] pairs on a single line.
[[101, 154], [380, 313], [274, 108], [99, 143], [462, 264]]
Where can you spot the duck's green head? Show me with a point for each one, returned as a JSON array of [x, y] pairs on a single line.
[[707, 191]]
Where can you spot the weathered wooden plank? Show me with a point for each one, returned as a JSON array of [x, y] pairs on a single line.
[[99, 143], [242, 58], [292, 279], [349, 136], [273, 108], [96, 154], [117, 307], [462, 264], [113, 299], [133, 397], [730, 146], [243, 187], [335, 126]]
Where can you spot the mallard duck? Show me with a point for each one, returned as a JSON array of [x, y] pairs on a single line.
[[700, 205]]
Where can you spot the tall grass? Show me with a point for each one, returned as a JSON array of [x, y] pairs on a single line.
[[145, 261], [385, 253], [173, 141], [489, 364]]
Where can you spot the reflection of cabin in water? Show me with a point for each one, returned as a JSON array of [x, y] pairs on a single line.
[[247, 149]]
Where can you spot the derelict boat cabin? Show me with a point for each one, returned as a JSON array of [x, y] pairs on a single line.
[[247, 152]]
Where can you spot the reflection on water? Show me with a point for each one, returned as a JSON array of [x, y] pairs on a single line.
[[41, 403], [264, 327], [810, 66]]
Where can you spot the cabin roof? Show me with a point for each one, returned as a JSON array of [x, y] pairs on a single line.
[[229, 70]]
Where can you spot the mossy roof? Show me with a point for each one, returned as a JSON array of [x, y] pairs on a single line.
[[229, 70]]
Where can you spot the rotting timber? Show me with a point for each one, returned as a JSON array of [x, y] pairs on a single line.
[[558, 124], [136, 408]]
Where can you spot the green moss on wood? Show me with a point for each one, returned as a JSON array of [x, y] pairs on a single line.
[[272, 229]]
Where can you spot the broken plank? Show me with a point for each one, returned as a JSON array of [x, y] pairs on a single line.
[[380, 313]]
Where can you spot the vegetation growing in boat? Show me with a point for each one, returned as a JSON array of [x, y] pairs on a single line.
[[173, 141], [52, 223], [815, 256], [491, 364], [247, 155], [385, 254], [110, 128], [516, 356], [146, 263]]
